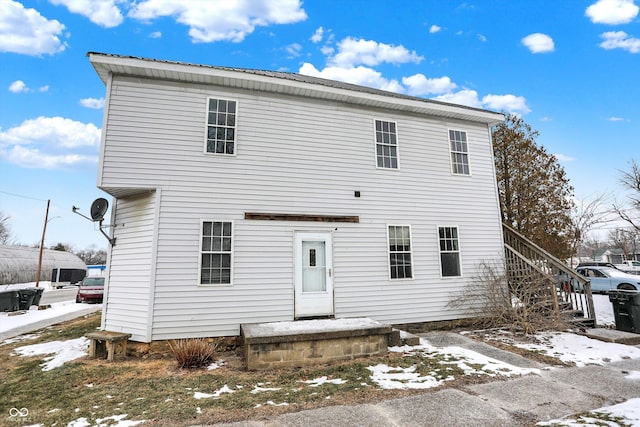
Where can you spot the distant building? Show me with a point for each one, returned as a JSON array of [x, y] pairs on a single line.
[[19, 264]]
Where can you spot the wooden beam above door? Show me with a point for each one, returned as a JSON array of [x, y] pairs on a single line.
[[300, 217]]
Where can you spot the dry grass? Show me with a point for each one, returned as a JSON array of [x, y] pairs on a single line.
[[155, 389], [193, 353]]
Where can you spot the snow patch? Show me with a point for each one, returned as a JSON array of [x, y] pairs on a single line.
[[579, 349], [401, 378], [216, 394], [626, 413], [62, 351], [317, 382]]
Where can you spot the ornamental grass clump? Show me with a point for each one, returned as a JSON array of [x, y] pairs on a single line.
[[193, 353]]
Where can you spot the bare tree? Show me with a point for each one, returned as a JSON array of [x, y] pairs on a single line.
[[5, 231], [627, 240], [92, 256], [586, 214], [631, 181]]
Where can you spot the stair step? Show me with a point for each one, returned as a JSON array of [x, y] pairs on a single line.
[[409, 339]]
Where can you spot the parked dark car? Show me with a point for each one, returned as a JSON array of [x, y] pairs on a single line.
[[596, 264], [91, 290]]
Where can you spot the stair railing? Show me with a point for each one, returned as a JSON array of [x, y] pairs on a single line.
[[568, 290]]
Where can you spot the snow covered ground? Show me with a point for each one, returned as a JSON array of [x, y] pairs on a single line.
[[567, 346]]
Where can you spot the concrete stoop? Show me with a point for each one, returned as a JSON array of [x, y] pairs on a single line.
[[612, 335], [307, 342]]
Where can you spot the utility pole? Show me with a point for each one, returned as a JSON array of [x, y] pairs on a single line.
[[44, 230]]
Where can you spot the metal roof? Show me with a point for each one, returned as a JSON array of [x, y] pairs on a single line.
[[284, 83]]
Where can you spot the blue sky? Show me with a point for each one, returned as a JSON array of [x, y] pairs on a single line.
[[570, 68]]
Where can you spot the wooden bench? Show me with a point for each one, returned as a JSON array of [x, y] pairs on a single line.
[[107, 343]]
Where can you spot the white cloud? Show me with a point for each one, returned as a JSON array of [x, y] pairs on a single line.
[[418, 85], [54, 131], [156, 35], [215, 21], [352, 52], [466, 97], [33, 158], [363, 76], [18, 86], [327, 50], [354, 64], [620, 40], [563, 158], [95, 103], [21, 87], [50, 142], [615, 119], [104, 13], [612, 12], [508, 103], [26, 32], [482, 38], [293, 50], [434, 29], [317, 35], [538, 43]]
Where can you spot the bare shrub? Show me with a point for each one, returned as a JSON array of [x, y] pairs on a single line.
[[193, 352], [526, 303]]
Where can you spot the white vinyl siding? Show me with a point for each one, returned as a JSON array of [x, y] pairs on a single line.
[[129, 286], [288, 163]]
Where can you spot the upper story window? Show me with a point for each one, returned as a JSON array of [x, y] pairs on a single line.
[[449, 251], [459, 152], [400, 265], [221, 126], [386, 144], [216, 253]]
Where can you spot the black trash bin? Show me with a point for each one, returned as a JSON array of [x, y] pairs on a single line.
[[626, 310], [37, 296], [26, 298], [9, 301]]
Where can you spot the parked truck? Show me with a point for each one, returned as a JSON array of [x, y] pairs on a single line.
[[629, 266]]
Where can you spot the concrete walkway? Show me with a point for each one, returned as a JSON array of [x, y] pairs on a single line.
[[522, 401], [57, 315]]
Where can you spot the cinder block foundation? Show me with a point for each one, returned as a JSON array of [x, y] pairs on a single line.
[[308, 342]]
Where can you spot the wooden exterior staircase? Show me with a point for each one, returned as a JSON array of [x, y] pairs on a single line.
[[546, 280]]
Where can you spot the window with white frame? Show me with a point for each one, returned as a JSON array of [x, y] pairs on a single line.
[[459, 152], [386, 145], [399, 237], [449, 251], [221, 126], [216, 253]]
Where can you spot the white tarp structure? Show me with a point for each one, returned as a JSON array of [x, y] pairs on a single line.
[[19, 264]]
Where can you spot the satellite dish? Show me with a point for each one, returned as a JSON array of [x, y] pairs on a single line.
[[99, 208]]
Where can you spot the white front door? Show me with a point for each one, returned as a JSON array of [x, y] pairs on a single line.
[[313, 275]]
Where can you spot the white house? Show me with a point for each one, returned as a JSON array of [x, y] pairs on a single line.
[[245, 196]]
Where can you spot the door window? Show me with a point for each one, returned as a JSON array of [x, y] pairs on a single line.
[[313, 266]]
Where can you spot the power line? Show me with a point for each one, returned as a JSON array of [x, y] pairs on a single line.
[[24, 197]]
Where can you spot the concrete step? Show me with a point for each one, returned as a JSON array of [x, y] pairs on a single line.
[[400, 338]]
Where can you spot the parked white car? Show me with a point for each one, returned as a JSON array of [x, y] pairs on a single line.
[[632, 267], [604, 279]]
